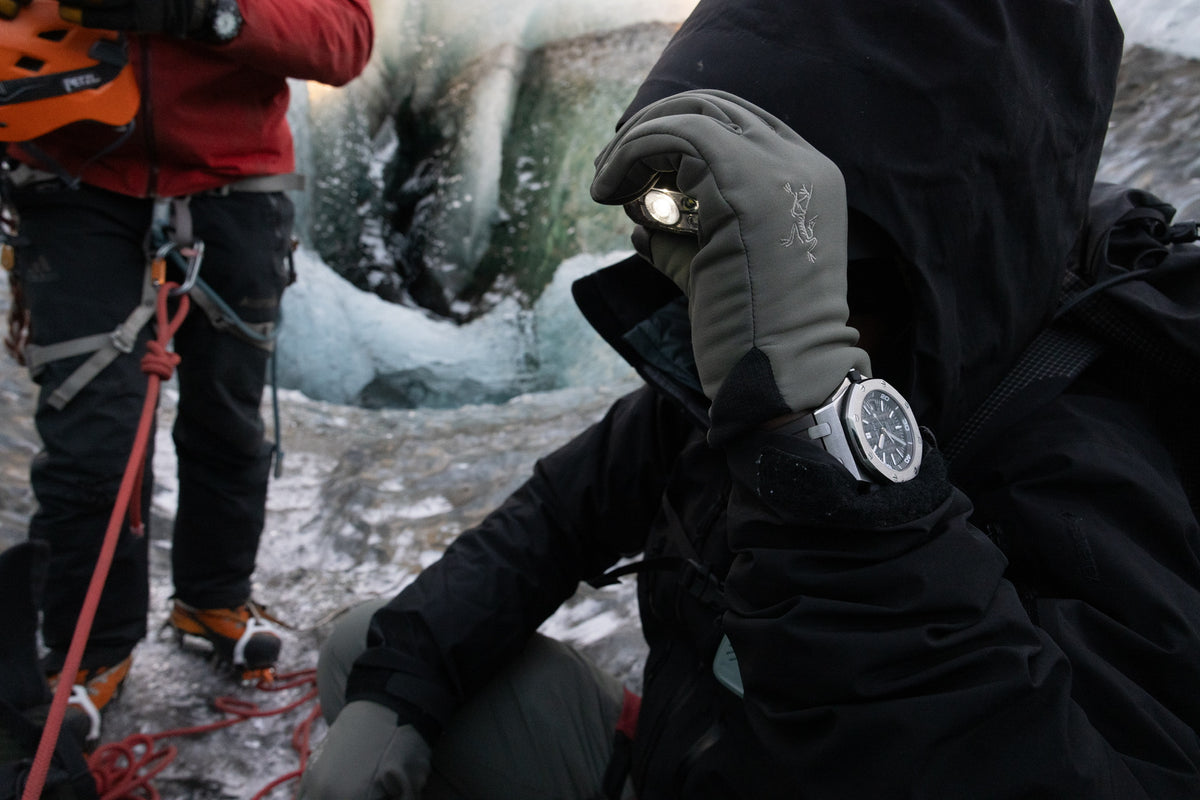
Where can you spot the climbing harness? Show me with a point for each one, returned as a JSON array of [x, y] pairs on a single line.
[[158, 364], [170, 243], [125, 769], [171, 236], [103, 347]]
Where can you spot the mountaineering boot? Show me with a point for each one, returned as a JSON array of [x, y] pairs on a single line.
[[94, 689], [242, 637]]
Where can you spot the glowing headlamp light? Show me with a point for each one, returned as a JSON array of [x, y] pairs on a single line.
[[664, 207], [661, 207]]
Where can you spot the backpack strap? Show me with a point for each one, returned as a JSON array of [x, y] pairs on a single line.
[[695, 577], [1047, 367], [1137, 291]]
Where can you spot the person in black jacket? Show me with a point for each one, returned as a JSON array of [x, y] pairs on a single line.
[[823, 623]]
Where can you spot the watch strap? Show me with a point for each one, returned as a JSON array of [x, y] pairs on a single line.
[[824, 427]]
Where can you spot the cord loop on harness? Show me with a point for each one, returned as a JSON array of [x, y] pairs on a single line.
[[158, 363], [167, 326]]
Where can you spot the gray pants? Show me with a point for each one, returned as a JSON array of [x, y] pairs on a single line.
[[541, 730]]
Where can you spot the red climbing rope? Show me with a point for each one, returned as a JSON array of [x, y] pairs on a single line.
[[124, 770], [157, 364]]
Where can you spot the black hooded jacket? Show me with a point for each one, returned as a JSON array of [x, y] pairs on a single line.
[[1040, 639], [970, 131]]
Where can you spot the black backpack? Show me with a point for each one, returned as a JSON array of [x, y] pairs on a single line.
[[1134, 298]]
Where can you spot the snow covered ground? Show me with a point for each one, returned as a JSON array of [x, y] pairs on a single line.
[[365, 500]]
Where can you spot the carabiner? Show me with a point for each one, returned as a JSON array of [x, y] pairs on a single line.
[[191, 268]]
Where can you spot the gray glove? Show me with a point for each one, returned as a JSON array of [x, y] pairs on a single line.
[[671, 253], [767, 288], [367, 756]]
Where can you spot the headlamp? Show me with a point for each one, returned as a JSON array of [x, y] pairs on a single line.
[[664, 207], [661, 207]]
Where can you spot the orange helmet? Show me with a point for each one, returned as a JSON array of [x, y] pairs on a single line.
[[53, 73]]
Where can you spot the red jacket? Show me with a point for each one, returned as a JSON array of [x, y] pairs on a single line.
[[212, 114]]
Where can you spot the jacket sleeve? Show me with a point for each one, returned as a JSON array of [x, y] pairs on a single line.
[[469, 613], [913, 668], [328, 41]]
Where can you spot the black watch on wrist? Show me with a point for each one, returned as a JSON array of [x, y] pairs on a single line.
[[223, 22], [868, 427]]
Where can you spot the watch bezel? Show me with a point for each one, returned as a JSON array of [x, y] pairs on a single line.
[[852, 417]]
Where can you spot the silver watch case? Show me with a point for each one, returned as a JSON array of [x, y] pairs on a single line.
[[838, 426]]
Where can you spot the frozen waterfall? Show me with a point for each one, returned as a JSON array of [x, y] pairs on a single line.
[[451, 179]]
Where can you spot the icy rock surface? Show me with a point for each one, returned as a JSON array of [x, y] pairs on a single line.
[[343, 345], [463, 152], [366, 499], [1171, 25], [1151, 141]]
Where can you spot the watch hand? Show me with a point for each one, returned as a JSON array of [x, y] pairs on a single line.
[[893, 437]]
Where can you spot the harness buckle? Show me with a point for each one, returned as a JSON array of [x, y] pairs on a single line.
[[122, 341], [701, 584]]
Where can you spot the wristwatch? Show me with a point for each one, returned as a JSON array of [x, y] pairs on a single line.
[[223, 22], [867, 426]]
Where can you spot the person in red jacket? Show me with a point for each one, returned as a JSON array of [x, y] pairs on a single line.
[[208, 159]]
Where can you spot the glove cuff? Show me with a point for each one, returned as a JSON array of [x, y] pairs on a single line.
[[750, 394], [807, 486], [748, 397]]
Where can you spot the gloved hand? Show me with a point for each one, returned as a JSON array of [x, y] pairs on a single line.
[[767, 287], [367, 756], [671, 253], [190, 19]]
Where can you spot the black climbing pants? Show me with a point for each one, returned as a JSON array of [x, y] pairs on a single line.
[[82, 265], [542, 728]]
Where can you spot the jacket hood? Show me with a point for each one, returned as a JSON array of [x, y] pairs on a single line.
[[970, 131]]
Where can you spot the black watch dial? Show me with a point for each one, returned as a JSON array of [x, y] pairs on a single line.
[[887, 430], [884, 431]]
